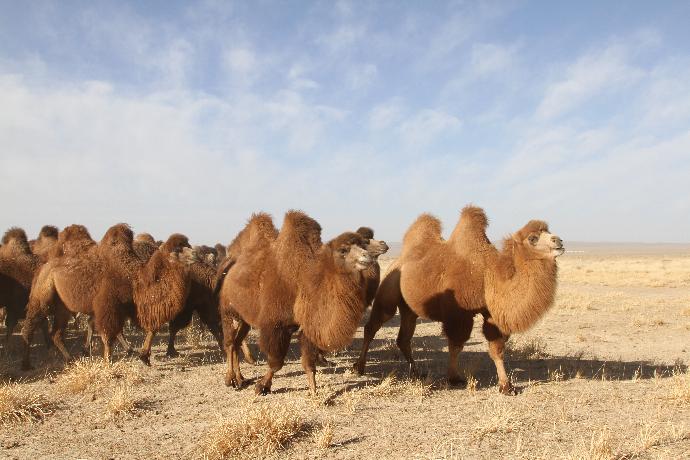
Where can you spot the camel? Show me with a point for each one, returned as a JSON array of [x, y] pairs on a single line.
[[102, 280], [144, 246], [18, 264], [451, 281], [281, 282]]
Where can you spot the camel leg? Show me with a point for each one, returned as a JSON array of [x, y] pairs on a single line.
[[88, 348], [408, 323], [457, 328], [125, 344], [382, 311], [11, 321], [274, 342], [145, 354], [59, 324], [309, 356], [238, 340], [247, 353], [229, 332], [36, 312], [497, 342], [178, 323], [107, 348]]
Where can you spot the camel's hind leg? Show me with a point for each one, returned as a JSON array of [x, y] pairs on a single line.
[[145, 354], [274, 342], [497, 342], [229, 332], [179, 322], [238, 340], [408, 323], [60, 322], [36, 313], [309, 357], [388, 297], [458, 328]]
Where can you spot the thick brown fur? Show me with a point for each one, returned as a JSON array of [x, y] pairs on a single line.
[[18, 265], [47, 238], [144, 246], [279, 282], [451, 281]]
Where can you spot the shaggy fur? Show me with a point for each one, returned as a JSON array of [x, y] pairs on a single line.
[[47, 238], [144, 246], [451, 281], [279, 282], [17, 268]]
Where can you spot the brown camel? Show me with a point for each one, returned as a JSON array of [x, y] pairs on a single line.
[[102, 280], [144, 246], [17, 268], [279, 282], [161, 288], [451, 281]]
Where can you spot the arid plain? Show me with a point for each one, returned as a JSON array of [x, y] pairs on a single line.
[[603, 375]]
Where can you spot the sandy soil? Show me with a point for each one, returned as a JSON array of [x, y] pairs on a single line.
[[602, 376]]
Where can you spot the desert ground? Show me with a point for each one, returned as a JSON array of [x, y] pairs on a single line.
[[603, 375]]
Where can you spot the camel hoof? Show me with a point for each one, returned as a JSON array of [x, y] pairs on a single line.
[[172, 353], [261, 389], [129, 352], [145, 359], [358, 368], [507, 389]]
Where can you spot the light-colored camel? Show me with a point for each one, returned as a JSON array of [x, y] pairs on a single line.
[[451, 281]]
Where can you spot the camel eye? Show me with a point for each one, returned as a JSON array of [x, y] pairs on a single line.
[[342, 250], [533, 239]]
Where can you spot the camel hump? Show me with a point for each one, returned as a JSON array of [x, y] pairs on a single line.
[[423, 231], [175, 243], [75, 237], [17, 234], [474, 217], [262, 224], [301, 230], [48, 231], [144, 238], [471, 228], [118, 234]]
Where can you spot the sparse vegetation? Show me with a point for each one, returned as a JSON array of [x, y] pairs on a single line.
[[255, 432], [21, 403], [96, 374]]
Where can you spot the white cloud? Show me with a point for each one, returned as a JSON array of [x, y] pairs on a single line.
[[426, 125], [490, 58], [384, 115], [587, 77], [240, 60]]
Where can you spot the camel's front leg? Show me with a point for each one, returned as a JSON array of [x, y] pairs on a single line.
[[497, 343]]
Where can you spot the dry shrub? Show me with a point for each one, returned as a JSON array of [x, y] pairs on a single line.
[[20, 403], [600, 446], [323, 438], [680, 388], [525, 349], [392, 386], [496, 416], [95, 374], [255, 432], [123, 401]]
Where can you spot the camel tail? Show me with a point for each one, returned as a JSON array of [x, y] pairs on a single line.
[[423, 232]]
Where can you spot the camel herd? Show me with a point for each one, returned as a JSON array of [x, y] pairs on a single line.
[[281, 282]]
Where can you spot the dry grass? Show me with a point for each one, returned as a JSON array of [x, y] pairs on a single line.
[[19, 403], [123, 401], [525, 348], [323, 438], [393, 386], [96, 375], [627, 271], [497, 416], [256, 432], [680, 388]]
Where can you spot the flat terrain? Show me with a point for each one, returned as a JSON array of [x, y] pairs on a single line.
[[603, 375]]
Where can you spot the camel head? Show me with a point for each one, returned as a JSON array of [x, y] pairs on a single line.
[[175, 243], [374, 247], [350, 253], [206, 254], [538, 242]]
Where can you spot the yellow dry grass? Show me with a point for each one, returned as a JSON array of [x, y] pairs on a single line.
[[255, 432], [95, 375], [393, 386], [123, 401], [20, 403], [649, 271]]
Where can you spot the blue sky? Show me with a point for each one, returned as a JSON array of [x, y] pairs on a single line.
[[181, 116]]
